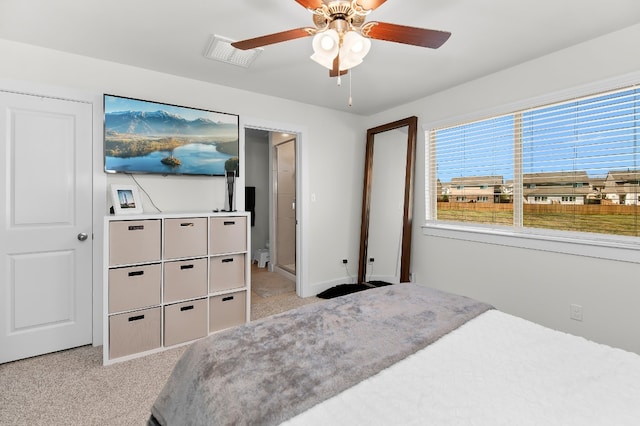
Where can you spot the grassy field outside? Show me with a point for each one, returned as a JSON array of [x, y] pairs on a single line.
[[603, 219]]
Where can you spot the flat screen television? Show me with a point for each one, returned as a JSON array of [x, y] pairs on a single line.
[[153, 137]]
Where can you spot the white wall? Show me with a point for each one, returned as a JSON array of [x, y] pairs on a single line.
[[257, 174], [333, 169], [331, 223], [536, 284]]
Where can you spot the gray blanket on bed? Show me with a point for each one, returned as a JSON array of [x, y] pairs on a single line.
[[270, 370]]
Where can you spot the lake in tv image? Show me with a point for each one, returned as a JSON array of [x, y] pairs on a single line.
[[151, 137], [194, 158]]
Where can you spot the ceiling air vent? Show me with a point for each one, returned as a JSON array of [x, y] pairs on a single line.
[[220, 49]]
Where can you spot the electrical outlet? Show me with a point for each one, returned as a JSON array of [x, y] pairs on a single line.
[[345, 261], [371, 260], [575, 312]]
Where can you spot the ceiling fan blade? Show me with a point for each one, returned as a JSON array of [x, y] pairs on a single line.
[[370, 4], [310, 4], [403, 34], [336, 71], [265, 40]]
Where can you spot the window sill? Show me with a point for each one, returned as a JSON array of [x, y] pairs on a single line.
[[624, 249]]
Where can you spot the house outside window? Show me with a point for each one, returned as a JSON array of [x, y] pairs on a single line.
[[570, 166], [621, 187]]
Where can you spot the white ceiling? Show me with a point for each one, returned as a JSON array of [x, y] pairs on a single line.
[[170, 37]]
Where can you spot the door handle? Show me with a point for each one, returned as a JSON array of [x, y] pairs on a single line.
[[82, 236]]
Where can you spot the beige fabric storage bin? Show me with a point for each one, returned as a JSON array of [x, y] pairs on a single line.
[[134, 332], [134, 241], [134, 287], [228, 234], [185, 237], [227, 310], [185, 279], [226, 272], [185, 321]]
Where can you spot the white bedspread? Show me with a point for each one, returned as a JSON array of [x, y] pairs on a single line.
[[495, 370]]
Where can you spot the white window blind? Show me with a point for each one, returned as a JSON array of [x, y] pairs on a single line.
[[474, 161], [571, 166], [595, 135]]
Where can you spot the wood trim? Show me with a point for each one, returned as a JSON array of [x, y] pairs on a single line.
[[405, 262]]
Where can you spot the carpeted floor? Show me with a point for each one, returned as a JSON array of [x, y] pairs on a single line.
[[267, 284], [72, 387]]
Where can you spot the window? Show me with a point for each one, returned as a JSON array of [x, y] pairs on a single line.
[[570, 166], [468, 157]]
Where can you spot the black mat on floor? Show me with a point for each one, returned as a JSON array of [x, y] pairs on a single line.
[[343, 289]]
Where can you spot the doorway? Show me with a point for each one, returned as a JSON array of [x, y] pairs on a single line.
[[285, 203], [271, 187]]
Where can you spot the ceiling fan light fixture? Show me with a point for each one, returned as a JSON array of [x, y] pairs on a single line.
[[327, 43], [354, 48], [342, 38], [325, 47]]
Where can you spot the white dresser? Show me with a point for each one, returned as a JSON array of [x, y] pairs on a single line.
[[172, 278]]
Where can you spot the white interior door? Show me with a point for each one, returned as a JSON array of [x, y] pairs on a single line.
[[46, 200]]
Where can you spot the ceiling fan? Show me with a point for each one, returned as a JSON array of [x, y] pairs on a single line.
[[341, 36]]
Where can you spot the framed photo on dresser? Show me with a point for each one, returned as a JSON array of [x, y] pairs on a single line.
[[126, 199]]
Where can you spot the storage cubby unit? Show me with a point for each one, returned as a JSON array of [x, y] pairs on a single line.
[[170, 279]]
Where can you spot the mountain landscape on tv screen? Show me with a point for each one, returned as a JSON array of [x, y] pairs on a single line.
[[163, 142], [162, 123]]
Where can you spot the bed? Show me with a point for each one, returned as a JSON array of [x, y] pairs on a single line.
[[402, 354]]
